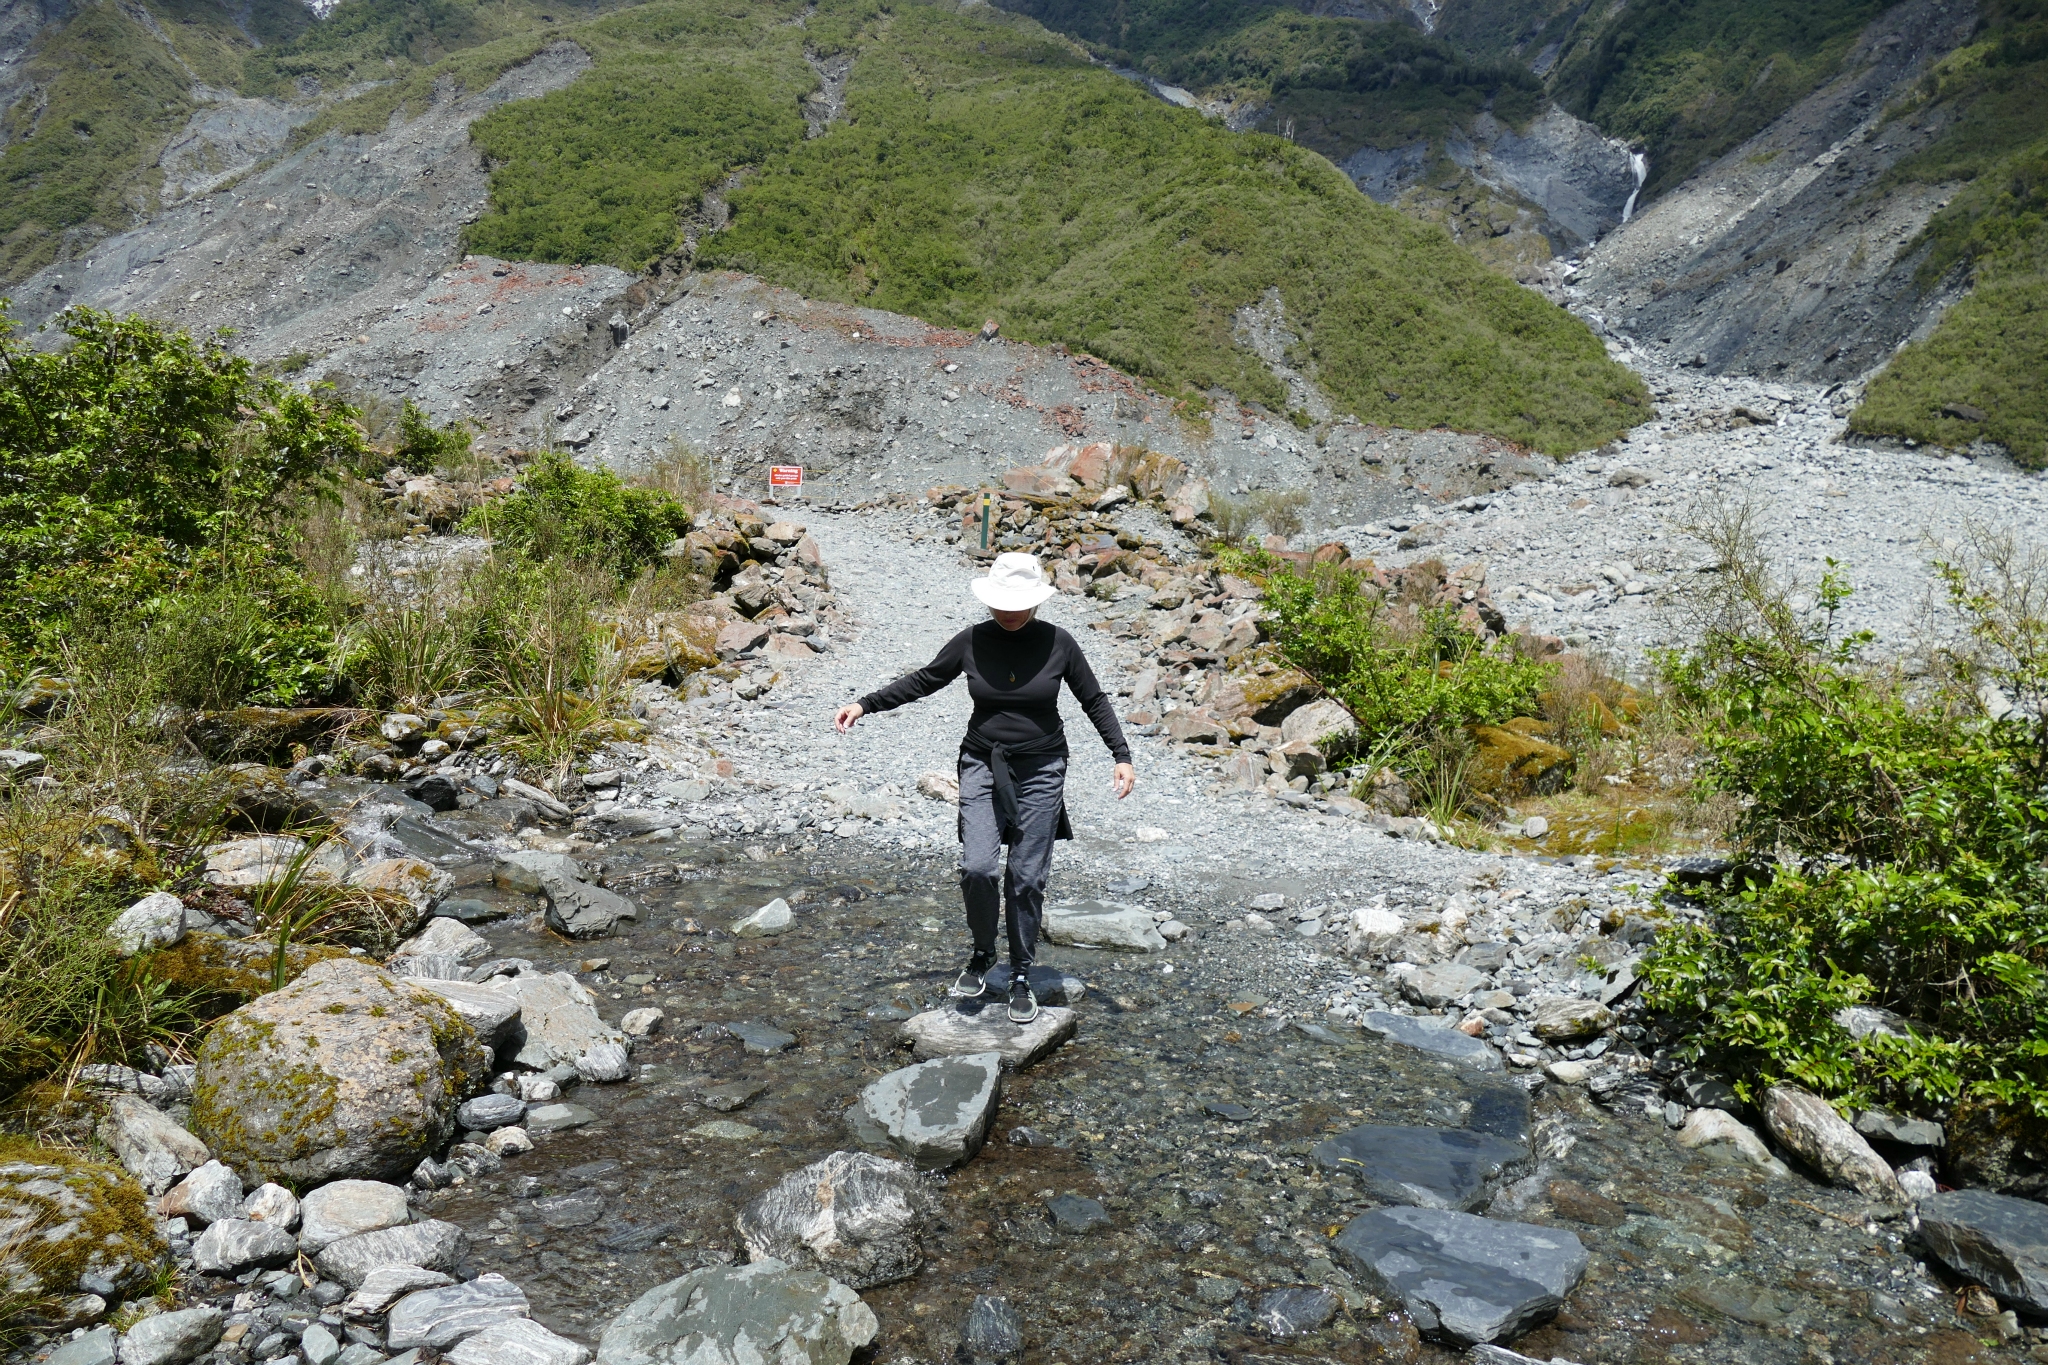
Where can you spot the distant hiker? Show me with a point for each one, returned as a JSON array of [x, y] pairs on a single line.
[[1013, 762]]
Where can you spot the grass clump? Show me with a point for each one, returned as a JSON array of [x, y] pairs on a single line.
[[1901, 824], [589, 516]]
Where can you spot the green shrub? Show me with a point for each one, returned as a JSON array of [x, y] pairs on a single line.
[[1408, 677], [1913, 825], [587, 516]]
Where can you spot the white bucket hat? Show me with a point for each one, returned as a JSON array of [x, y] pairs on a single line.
[[1014, 583]]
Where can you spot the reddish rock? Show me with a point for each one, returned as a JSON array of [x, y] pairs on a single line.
[[740, 636]]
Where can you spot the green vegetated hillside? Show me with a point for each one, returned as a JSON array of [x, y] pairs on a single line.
[[1983, 373], [986, 168]]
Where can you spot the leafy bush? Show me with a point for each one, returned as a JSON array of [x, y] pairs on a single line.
[[1914, 819], [1407, 676], [589, 516]]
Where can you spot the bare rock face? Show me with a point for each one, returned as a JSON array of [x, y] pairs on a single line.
[[1823, 1139], [347, 1072], [857, 1217]]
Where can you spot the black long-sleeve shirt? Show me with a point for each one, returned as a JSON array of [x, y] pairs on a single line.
[[1014, 677]]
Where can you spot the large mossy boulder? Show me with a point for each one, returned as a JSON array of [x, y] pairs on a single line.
[[348, 1072], [217, 966], [68, 1224], [1515, 760]]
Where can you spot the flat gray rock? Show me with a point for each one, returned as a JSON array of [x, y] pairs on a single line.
[[1463, 1279], [318, 1346], [156, 921], [517, 1341], [937, 1113], [1077, 1213], [172, 1338], [441, 1317], [553, 1118], [207, 1194], [149, 1142], [1437, 1038], [860, 1218], [1432, 1168], [558, 1021], [492, 1012], [1435, 987], [234, 1245], [984, 1026], [771, 919], [386, 1285], [96, 1347], [761, 1038], [741, 1315], [580, 910], [347, 1207], [576, 1209], [524, 871], [1998, 1240], [1103, 924], [431, 1245]]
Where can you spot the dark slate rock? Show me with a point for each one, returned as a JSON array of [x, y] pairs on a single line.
[[1075, 1213], [1502, 1111], [1022, 1136], [993, 1332], [435, 792], [1879, 1126], [634, 1237], [469, 911], [1995, 1239], [727, 1096], [1234, 1113], [1433, 1037], [1434, 1168], [579, 910], [576, 1209], [1295, 1310], [762, 1038], [1463, 1279], [859, 1218], [1701, 1090]]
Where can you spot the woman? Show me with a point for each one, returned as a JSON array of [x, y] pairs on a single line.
[[1013, 763]]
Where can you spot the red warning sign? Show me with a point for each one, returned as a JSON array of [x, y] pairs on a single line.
[[785, 476]]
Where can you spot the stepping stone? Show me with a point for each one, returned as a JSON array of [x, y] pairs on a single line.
[[1077, 1214], [1051, 985], [727, 1130], [1995, 1239], [984, 1026], [554, 1118], [1463, 1279], [344, 1208], [937, 1113], [1103, 924], [730, 1095], [432, 1245], [859, 1218], [1435, 987], [764, 1039], [1432, 1168], [576, 1209], [1501, 1111], [441, 1317], [518, 1341], [1436, 1037], [1295, 1310], [1230, 1113], [726, 1314]]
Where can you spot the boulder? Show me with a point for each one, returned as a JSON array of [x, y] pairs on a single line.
[[492, 1013], [604, 1063], [100, 1346], [65, 1220], [1437, 986], [347, 1072], [1101, 924], [346, 1208], [318, 1346], [1809, 1127], [272, 1204], [773, 918], [857, 1216], [149, 1142], [517, 1341], [984, 1026], [937, 1113], [1508, 763], [737, 637], [1994, 1239], [1879, 1125], [2000, 1147], [1294, 1310], [558, 1020], [431, 1245], [1462, 1278], [208, 1194], [173, 1338], [446, 938], [441, 1317], [1431, 1168], [234, 1245], [416, 883], [640, 1023], [488, 1112], [741, 1315], [386, 1285], [1436, 1037], [1716, 1132], [1560, 1021], [527, 870], [580, 910], [1319, 723], [155, 921]]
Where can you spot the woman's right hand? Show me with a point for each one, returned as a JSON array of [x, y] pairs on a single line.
[[843, 719]]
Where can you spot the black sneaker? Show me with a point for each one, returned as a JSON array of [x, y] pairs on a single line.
[[972, 982], [1023, 1004]]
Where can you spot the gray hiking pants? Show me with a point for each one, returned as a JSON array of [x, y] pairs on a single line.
[[1041, 786]]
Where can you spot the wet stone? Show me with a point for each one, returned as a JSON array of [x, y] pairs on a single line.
[[726, 1130], [1049, 984], [976, 1026], [1076, 1213], [1232, 1113], [517, 1341], [441, 1317], [1464, 1279], [937, 1113], [728, 1096], [578, 1208], [741, 1315], [1993, 1238], [764, 1039], [554, 1118], [1434, 1168], [1433, 1037], [1295, 1310], [993, 1332], [432, 1245], [859, 1218], [580, 910], [487, 1112], [1099, 924], [1217, 1289]]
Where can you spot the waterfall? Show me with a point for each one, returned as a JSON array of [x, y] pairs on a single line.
[[1640, 165]]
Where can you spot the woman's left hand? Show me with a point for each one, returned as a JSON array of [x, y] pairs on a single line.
[[1123, 780]]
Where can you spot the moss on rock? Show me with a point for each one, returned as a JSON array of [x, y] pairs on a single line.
[[217, 966], [62, 1216]]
